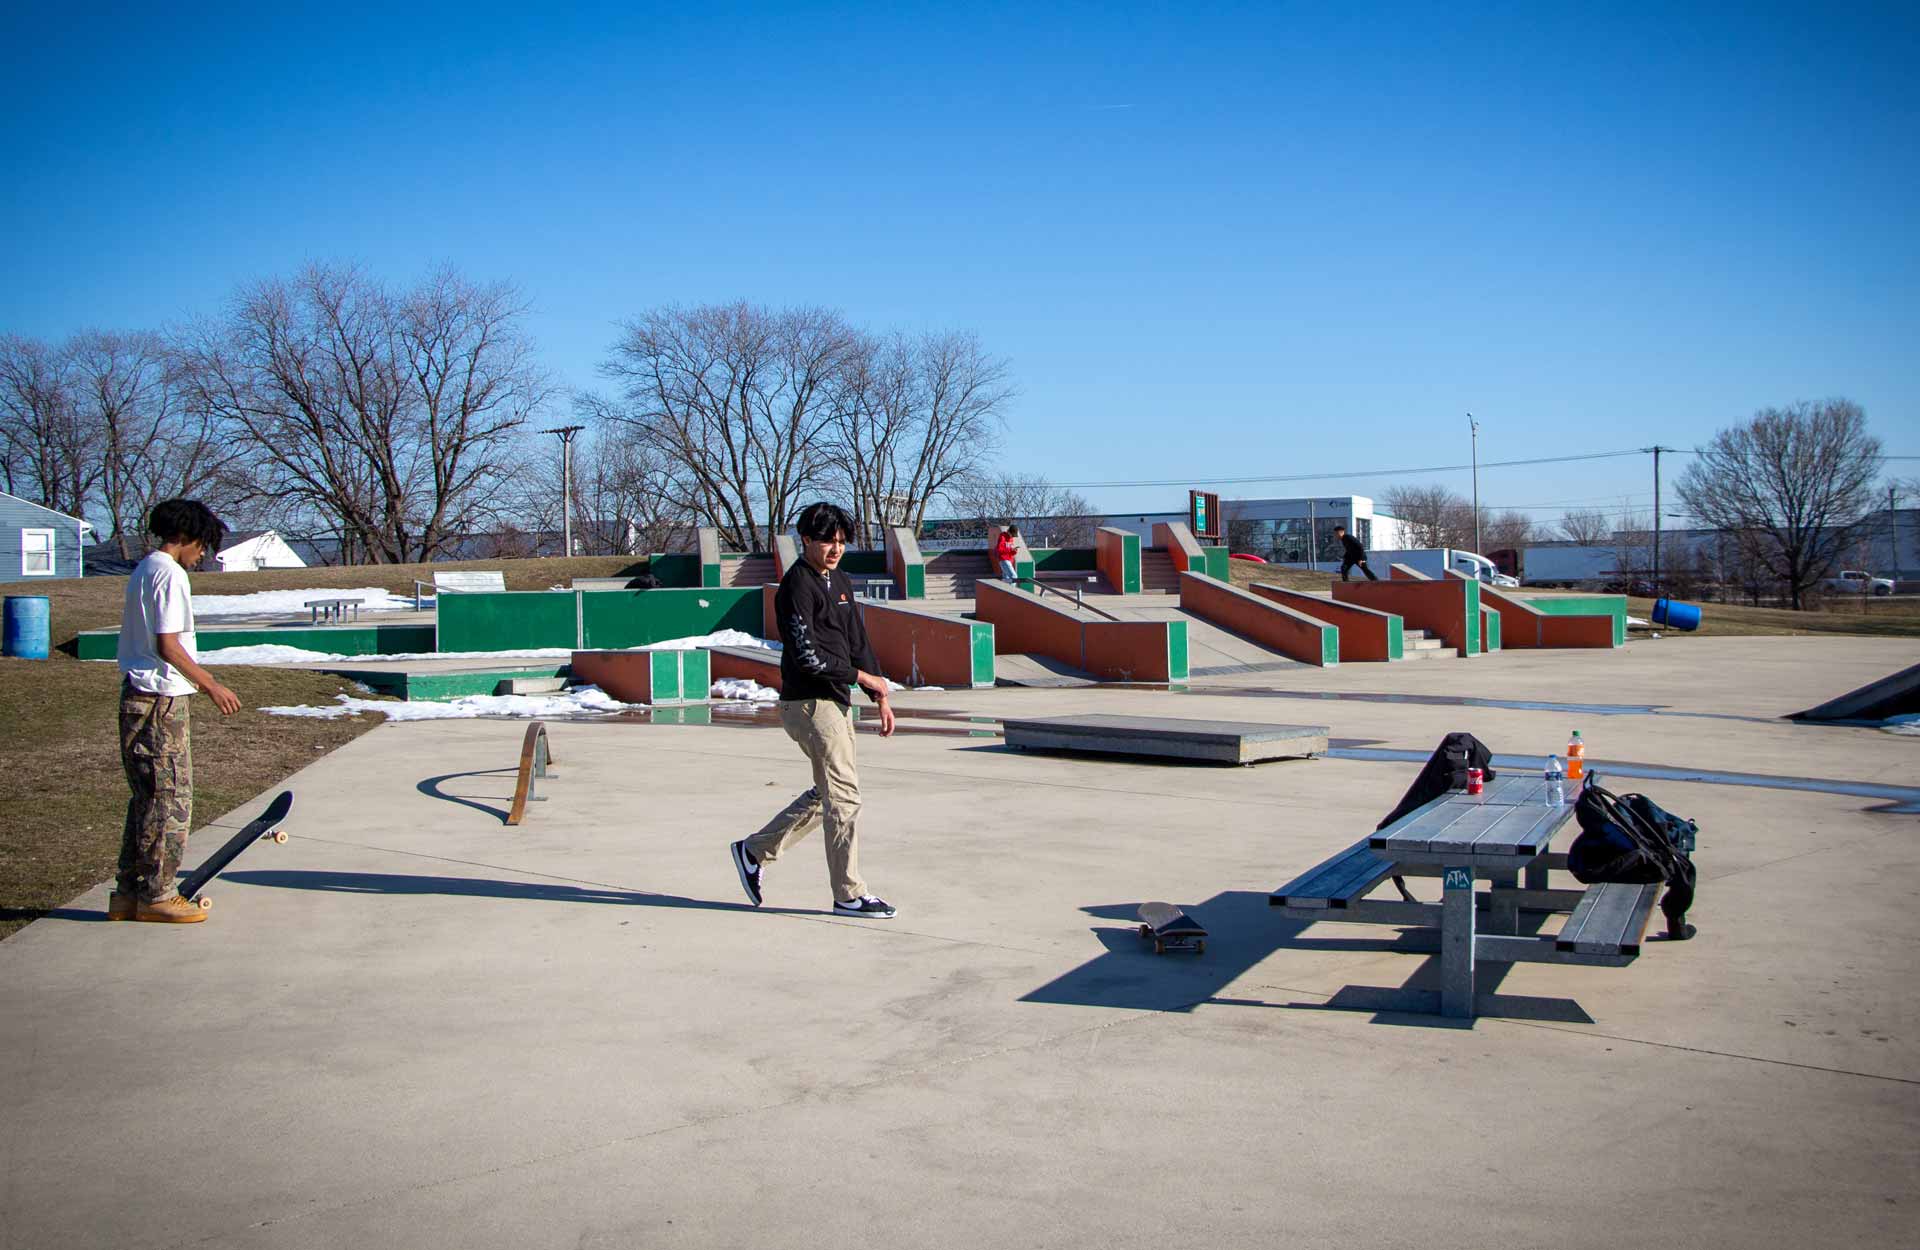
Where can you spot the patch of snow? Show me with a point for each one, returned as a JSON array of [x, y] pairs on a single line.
[[266, 653], [473, 707], [723, 638], [744, 690], [372, 599]]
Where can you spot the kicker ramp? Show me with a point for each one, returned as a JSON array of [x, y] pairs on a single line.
[[1107, 649]]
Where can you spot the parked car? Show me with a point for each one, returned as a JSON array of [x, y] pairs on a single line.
[[1856, 582]]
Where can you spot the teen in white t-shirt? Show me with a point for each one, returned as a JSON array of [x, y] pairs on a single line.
[[159, 601], [159, 669]]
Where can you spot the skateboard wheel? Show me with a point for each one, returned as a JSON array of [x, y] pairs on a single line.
[[206, 904], [1146, 930], [1200, 947], [279, 835]]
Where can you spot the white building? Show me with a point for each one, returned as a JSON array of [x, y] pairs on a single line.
[[1277, 529], [261, 549]]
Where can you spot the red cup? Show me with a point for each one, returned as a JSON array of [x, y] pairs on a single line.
[[1476, 781]]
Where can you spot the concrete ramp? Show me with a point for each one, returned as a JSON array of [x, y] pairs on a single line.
[[1890, 696], [1039, 672]]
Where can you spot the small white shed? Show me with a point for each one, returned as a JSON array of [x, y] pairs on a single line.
[[262, 549]]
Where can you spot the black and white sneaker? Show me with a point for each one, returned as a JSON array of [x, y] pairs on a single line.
[[866, 905], [749, 871]]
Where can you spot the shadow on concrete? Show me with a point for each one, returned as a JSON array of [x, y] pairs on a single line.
[[482, 887], [431, 788], [78, 914], [1242, 930]]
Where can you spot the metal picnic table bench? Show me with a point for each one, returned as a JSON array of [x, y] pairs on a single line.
[[1501, 833], [334, 610]]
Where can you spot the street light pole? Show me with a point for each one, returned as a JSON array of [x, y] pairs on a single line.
[[566, 433], [1474, 428]]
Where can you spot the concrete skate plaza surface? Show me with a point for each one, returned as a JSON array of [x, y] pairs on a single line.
[[413, 1026]]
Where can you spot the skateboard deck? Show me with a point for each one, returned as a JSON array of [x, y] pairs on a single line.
[[262, 827], [1171, 929]]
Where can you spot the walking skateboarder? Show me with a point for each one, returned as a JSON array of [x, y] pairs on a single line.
[[824, 652], [1351, 553], [159, 668]]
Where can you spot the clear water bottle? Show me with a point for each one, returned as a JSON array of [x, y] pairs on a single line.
[[1556, 777]]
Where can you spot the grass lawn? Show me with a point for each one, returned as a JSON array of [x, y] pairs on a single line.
[[63, 798]]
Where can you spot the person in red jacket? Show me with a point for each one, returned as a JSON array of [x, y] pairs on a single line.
[[1005, 551]]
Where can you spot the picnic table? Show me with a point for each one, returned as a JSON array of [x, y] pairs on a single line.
[[1503, 834], [333, 610]]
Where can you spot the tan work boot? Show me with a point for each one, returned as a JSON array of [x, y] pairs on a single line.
[[175, 910], [121, 906]]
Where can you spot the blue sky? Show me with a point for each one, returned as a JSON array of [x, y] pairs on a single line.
[[1213, 240]]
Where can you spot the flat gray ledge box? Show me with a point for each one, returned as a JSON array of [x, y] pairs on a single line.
[[1168, 737]]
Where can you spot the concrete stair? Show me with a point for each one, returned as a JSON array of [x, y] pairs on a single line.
[[1416, 645], [747, 571], [1157, 575], [951, 574]]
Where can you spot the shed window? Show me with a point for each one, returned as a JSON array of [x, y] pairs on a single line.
[[36, 553]]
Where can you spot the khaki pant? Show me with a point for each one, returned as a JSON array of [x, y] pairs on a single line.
[[824, 730], [156, 752]]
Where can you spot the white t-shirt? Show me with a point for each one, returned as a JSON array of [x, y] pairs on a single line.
[[159, 601]]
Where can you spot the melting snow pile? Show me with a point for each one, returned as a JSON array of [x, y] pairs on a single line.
[[265, 602], [724, 638], [473, 707], [744, 690]]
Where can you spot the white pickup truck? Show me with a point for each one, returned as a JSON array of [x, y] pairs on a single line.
[[1856, 582]]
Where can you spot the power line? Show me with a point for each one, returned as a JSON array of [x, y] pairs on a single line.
[[1321, 477]]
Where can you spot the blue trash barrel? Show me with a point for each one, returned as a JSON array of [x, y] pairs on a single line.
[[28, 628], [1681, 616]]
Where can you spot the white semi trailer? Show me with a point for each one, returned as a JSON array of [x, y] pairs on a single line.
[[1573, 565], [1435, 561]]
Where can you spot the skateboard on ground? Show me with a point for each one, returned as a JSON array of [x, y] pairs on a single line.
[[1170, 929], [259, 829]]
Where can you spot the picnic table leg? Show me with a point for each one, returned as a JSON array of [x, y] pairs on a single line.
[[1456, 943], [1537, 874], [1504, 914]]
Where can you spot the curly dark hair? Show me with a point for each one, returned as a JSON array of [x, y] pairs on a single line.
[[821, 521], [186, 520]]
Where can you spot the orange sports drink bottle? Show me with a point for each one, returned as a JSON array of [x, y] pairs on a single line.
[[1576, 758]]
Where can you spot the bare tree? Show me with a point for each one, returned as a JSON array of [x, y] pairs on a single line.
[[624, 493], [740, 400], [152, 445], [1432, 516], [1588, 527], [48, 453], [1056, 516], [1802, 476], [390, 418], [918, 415], [1505, 530]]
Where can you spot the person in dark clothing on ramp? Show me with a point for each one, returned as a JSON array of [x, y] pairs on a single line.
[[1351, 554]]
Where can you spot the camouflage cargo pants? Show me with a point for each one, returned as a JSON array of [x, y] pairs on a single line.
[[155, 751]]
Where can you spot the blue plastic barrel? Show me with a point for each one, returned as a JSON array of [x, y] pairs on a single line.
[[1681, 616], [29, 626]]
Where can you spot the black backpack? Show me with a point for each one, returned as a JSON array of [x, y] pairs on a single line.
[[1445, 769], [1635, 841]]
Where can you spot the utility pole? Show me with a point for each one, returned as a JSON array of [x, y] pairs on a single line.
[[1313, 539], [1656, 449], [1474, 433], [566, 433]]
